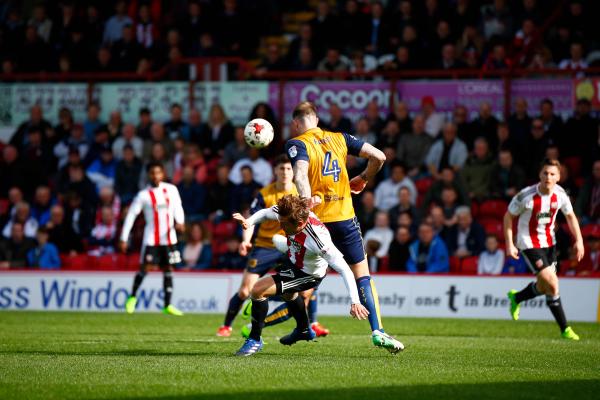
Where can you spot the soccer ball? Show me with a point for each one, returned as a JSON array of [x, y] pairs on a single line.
[[258, 133]]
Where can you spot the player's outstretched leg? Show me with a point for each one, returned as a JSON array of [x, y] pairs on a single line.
[[302, 331], [168, 289], [232, 310], [516, 298], [254, 343], [132, 299], [369, 299], [319, 329]]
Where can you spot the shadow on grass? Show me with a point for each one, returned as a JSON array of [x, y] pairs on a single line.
[[545, 390]]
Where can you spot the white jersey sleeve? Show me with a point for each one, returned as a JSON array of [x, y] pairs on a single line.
[[516, 205], [134, 209], [178, 213], [262, 215], [565, 202]]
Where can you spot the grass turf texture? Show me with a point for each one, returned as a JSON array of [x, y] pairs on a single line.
[[97, 355]]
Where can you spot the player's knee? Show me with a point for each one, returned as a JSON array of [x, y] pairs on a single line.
[[289, 296], [257, 293], [244, 292]]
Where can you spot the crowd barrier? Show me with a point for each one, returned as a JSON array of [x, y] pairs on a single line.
[[209, 292]]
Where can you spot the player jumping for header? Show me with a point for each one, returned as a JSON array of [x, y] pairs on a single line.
[[310, 252]]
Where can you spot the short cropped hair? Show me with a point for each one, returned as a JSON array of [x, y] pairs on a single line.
[[295, 208], [281, 159], [303, 109], [550, 162]]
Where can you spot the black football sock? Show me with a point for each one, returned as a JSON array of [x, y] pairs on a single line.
[[137, 282], [260, 308], [298, 310], [555, 306], [529, 292], [233, 309], [168, 286]]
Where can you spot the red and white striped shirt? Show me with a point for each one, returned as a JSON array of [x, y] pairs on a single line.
[[162, 209], [537, 215]]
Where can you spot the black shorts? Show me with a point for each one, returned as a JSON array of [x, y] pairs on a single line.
[[538, 259], [294, 280], [161, 255]]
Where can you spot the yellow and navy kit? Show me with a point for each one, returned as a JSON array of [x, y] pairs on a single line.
[[326, 154], [267, 197]]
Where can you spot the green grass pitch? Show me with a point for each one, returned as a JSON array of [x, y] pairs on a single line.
[[101, 356]]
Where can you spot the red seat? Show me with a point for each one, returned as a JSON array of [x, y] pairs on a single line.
[[574, 166], [493, 209], [224, 229], [384, 264], [423, 184], [454, 264], [468, 265], [4, 204], [474, 209], [78, 261], [132, 261], [493, 227]]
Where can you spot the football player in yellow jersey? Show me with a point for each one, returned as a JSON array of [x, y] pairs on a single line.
[[319, 163], [263, 254]]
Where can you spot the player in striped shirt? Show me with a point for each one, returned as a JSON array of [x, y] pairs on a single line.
[[536, 207], [310, 251], [164, 215]]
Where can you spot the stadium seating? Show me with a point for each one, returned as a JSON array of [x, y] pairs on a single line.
[[492, 209]]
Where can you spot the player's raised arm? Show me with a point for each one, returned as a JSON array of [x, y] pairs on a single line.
[[375, 158]]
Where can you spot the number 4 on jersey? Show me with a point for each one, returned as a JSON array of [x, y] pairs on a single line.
[[331, 167]]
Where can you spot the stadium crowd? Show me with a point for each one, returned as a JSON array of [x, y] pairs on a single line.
[[139, 36], [64, 189]]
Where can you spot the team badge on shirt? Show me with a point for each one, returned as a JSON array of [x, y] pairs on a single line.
[[293, 151]]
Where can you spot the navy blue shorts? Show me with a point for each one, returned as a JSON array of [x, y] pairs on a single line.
[[347, 237], [261, 260]]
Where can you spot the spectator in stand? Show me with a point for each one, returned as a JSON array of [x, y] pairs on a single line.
[[273, 61], [405, 205], [128, 138], [553, 123], [505, 141], [448, 151], [192, 157], [11, 170], [79, 214], [590, 264], [158, 154], [333, 62], [413, 147], [449, 59], [63, 128], [114, 125], [491, 261], [448, 178], [108, 198], [197, 252], [103, 235], [406, 220], [145, 124], [497, 59], [478, 170], [104, 62], [157, 135], [262, 169], [197, 130], [194, 23], [352, 23], [438, 221], [78, 182], [506, 177], [231, 259], [102, 171], [428, 253], [236, 150], [146, 31], [399, 252], [337, 121], [363, 131], [460, 117], [305, 61], [76, 141], [434, 121], [126, 51], [587, 206], [577, 61], [21, 216], [390, 135], [580, 135], [38, 162], [14, 249], [34, 54], [497, 19], [44, 255], [61, 234], [381, 233], [305, 40], [92, 122], [365, 210], [537, 142], [36, 121], [467, 237], [402, 61], [484, 125], [386, 193], [176, 126], [221, 130], [449, 204], [376, 123], [42, 202], [401, 115], [101, 142], [113, 31], [219, 194], [41, 22], [519, 123], [244, 192], [193, 195], [127, 175]]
